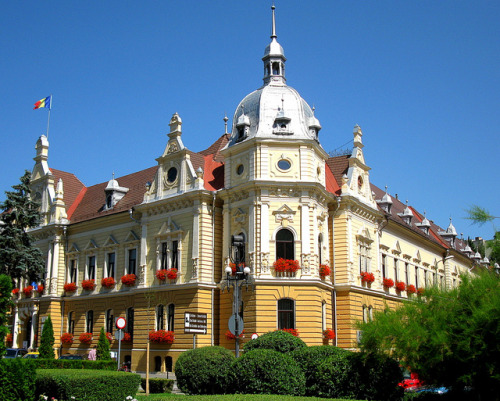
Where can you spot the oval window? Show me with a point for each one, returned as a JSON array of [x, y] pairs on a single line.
[[284, 165], [171, 175], [240, 169]]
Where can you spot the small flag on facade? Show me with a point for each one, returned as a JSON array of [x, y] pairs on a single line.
[[45, 102]]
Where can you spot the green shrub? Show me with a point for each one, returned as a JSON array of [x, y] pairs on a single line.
[[46, 348], [266, 371], [157, 385], [103, 353], [333, 375], [276, 340], [17, 379], [88, 385], [204, 370], [309, 359], [41, 363]]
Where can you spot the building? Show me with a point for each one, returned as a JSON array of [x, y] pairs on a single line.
[[268, 182]]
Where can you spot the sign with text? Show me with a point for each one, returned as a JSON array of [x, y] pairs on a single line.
[[195, 323]]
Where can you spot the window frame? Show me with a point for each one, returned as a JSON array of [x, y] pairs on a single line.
[[285, 316], [282, 243]]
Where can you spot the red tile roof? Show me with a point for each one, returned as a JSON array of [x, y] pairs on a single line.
[[72, 186], [339, 166], [331, 183]]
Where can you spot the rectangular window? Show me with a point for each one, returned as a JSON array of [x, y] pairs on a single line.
[[71, 322], [90, 321], [170, 317], [111, 265], [407, 277], [426, 278], [130, 323], [286, 313], [132, 260], [175, 255], [396, 273], [73, 274], [164, 256], [91, 268], [416, 276], [384, 272], [110, 321], [160, 317]]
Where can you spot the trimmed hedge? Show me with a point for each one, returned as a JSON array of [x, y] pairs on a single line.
[[205, 370], [279, 340], [17, 379], [88, 385], [266, 371], [157, 385], [74, 364]]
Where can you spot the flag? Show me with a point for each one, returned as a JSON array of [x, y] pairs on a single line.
[[45, 102]]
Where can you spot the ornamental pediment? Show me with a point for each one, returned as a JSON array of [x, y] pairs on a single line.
[[91, 245], [169, 227], [110, 241], [284, 213], [239, 216]]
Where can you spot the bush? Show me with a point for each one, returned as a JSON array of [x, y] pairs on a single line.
[[103, 353], [47, 342], [74, 364], [88, 385], [266, 371], [17, 379], [157, 386], [205, 370], [276, 340], [333, 375]]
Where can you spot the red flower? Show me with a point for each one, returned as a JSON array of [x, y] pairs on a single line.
[[15, 291], [388, 282], [329, 334], [231, 336], [129, 279], [85, 338], [127, 338], [420, 291], [324, 271], [67, 338], [172, 274], [9, 338], [161, 336], [40, 289], [367, 277], [286, 265], [109, 336], [293, 332], [108, 282], [28, 291], [89, 284], [70, 287], [411, 289], [161, 274], [400, 286]]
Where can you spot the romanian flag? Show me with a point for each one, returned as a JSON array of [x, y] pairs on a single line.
[[45, 102]]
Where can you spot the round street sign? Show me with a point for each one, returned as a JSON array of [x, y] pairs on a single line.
[[255, 336], [121, 323], [232, 324]]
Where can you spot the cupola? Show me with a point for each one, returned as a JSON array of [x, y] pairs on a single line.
[[314, 125], [274, 59], [386, 202], [407, 215], [114, 193], [242, 126], [450, 234], [425, 225]]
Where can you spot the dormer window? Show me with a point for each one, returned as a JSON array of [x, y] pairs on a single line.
[[114, 193], [242, 127]]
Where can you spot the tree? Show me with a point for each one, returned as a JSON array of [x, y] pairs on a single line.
[[46, 349], [479, 215], [18, 256], [5, 303], [449, 338], [103, 347]]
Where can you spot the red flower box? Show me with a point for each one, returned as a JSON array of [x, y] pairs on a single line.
[[161, 274], [400, 286], [89, 284], [67, 338], [129, 279], [70, 287], [388, 282], [420, 291], [172, 274], [231, 336], [15, 291], [108, 282], [293, 332], [367, 277], [411, 289], [85, 338], [324, 271], [161, 336], [109, 336], [9, 338], [286, 265], [40, 289], [28, 291], [127, 338], [329, 334]]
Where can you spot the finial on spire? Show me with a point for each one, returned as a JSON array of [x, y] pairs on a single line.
[[225, 123], [273, 32]]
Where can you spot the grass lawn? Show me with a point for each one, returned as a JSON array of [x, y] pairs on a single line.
[[230, 397]]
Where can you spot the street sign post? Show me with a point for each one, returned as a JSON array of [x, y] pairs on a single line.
[[120, 325], [195, 323]]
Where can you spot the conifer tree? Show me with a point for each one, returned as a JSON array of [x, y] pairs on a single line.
[[103, 347], [46, 348], [19, 258], [5, 303]]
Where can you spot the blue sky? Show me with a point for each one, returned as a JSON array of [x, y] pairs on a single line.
[[422, 79]]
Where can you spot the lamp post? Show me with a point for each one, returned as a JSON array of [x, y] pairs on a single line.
[[240, 278]]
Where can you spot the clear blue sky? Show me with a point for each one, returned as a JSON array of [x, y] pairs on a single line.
[[422, 79]]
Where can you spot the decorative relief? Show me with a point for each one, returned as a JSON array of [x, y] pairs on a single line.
[[264, 262], [141, 279], [194, 274], [285, 192], [304, 261], [237, 196], [284, 213], [239, 217], [172, 148], [183, 204]]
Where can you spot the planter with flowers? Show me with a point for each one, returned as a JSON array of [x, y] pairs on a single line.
[[388, 282], [293, 332], [9, 338], [400, 286], [286, 267], [231, 336], [161, 337], [15, 292], [89, 284], [67, 339], [28, 291], [127, 338], [129, 279], [161, 274], [85, 338], [108, 282], [109, 336], [367, 277], [40, 289], [420, 291], [324, 271], [70, 287], [329, 334], [410, 289]]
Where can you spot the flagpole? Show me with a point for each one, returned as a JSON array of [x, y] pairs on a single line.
[[48, 120]]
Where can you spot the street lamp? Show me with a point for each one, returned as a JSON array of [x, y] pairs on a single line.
[[240, 278]]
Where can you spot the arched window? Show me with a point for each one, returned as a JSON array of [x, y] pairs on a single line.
[[160, 317], [110, 321], [157, 363], [286, 314], [284, 244], [89, 322], [170, 317]]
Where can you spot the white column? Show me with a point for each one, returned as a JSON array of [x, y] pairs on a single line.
[[251, 235], [55, 267], [225, 234], [48, 268], [264, 227], [15, 327], [142, 255], [306, 247], [34, 319], [196, 242]]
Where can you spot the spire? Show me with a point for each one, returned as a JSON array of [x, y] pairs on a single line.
[[273, 29], [274, 58], [225, 123]]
